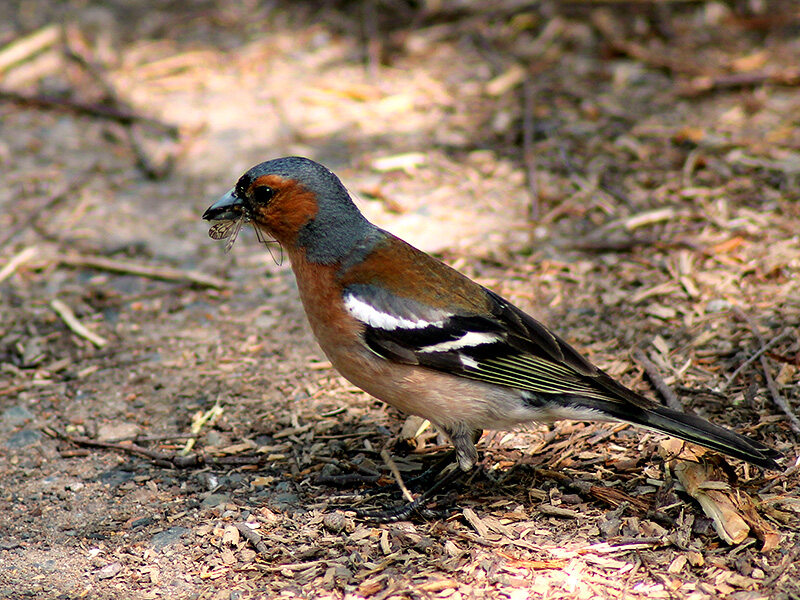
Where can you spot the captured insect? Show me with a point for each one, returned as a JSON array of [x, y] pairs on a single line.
[[227, 229], [230, 228]]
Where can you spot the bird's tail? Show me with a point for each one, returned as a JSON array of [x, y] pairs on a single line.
[[693, 429]]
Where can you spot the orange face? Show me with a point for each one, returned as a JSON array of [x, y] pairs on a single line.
[[278, 206]]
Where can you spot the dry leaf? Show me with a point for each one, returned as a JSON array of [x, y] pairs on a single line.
[[728, 245], [717, 503]]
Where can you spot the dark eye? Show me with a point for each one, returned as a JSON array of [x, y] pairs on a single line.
[[263, 194]]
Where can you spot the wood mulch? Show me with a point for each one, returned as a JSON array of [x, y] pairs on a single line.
[[628, 172]]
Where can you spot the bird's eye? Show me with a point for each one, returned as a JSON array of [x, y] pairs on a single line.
[[262, 194]]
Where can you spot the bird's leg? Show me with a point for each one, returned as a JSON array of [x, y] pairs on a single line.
[[464, 452], [464, 440]]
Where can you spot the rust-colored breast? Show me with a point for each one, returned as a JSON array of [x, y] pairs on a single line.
[[321, 294]]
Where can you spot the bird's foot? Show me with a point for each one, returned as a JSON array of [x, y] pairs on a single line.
[[403, 511]]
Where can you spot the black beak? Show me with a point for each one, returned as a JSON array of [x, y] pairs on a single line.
[[227, 208]]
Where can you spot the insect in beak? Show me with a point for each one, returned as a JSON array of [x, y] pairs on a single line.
[[229, 229]]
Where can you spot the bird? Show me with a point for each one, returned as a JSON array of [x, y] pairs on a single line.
[[422, 337]]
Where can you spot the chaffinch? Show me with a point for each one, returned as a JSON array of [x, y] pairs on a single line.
[[419, 335]]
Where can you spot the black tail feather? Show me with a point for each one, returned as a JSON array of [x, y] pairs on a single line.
[[691, 428]]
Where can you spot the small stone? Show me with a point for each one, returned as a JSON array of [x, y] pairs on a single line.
[[247, 555], [48, 566], [216, 439], [334, 522], [16, 415], [208, 480], [285, 502], [169, 537], [717, 306], [284, 487], [115, 477], [213, 500], [117, 431], [23, 438], [109, 571]]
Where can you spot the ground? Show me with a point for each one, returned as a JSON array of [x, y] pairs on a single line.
[[627, 172]]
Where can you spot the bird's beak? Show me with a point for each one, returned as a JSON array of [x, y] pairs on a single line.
[[227, 208]]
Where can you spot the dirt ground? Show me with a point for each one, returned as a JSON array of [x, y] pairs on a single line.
[[628, 172]]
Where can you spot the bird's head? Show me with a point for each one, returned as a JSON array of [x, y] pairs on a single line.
[[300, 204]]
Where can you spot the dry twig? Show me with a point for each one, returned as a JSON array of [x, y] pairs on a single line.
[[151, 272], [652, 373], [99, 111], [163, 459], [774, 341], [253, 537], [153, 169], [528, 152], [16, 261], [779, 401], [705, 84], [26, 47], [396, 473], [78, 328]]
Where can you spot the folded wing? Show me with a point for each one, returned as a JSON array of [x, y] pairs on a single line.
[[509, 348]]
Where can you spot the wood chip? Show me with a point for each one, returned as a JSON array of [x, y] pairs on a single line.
[[557, 511], [407, 162], [71, 321], [695, 558], [25, 47], [650, 218], [677, 565], [230, 535], [477, 524], [386, 548], [506, 81], [289, 431], [718, 503], [438, 585], [16, 261]]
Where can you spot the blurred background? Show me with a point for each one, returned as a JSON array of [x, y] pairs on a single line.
[[626, 170]]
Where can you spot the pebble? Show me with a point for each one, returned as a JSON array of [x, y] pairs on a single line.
[[23, 438], [109, 571], [718, 305], [285, 502], [168, 537], [334, 522], [117, 431], [213, 500], [114, 477], [16, 415]]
